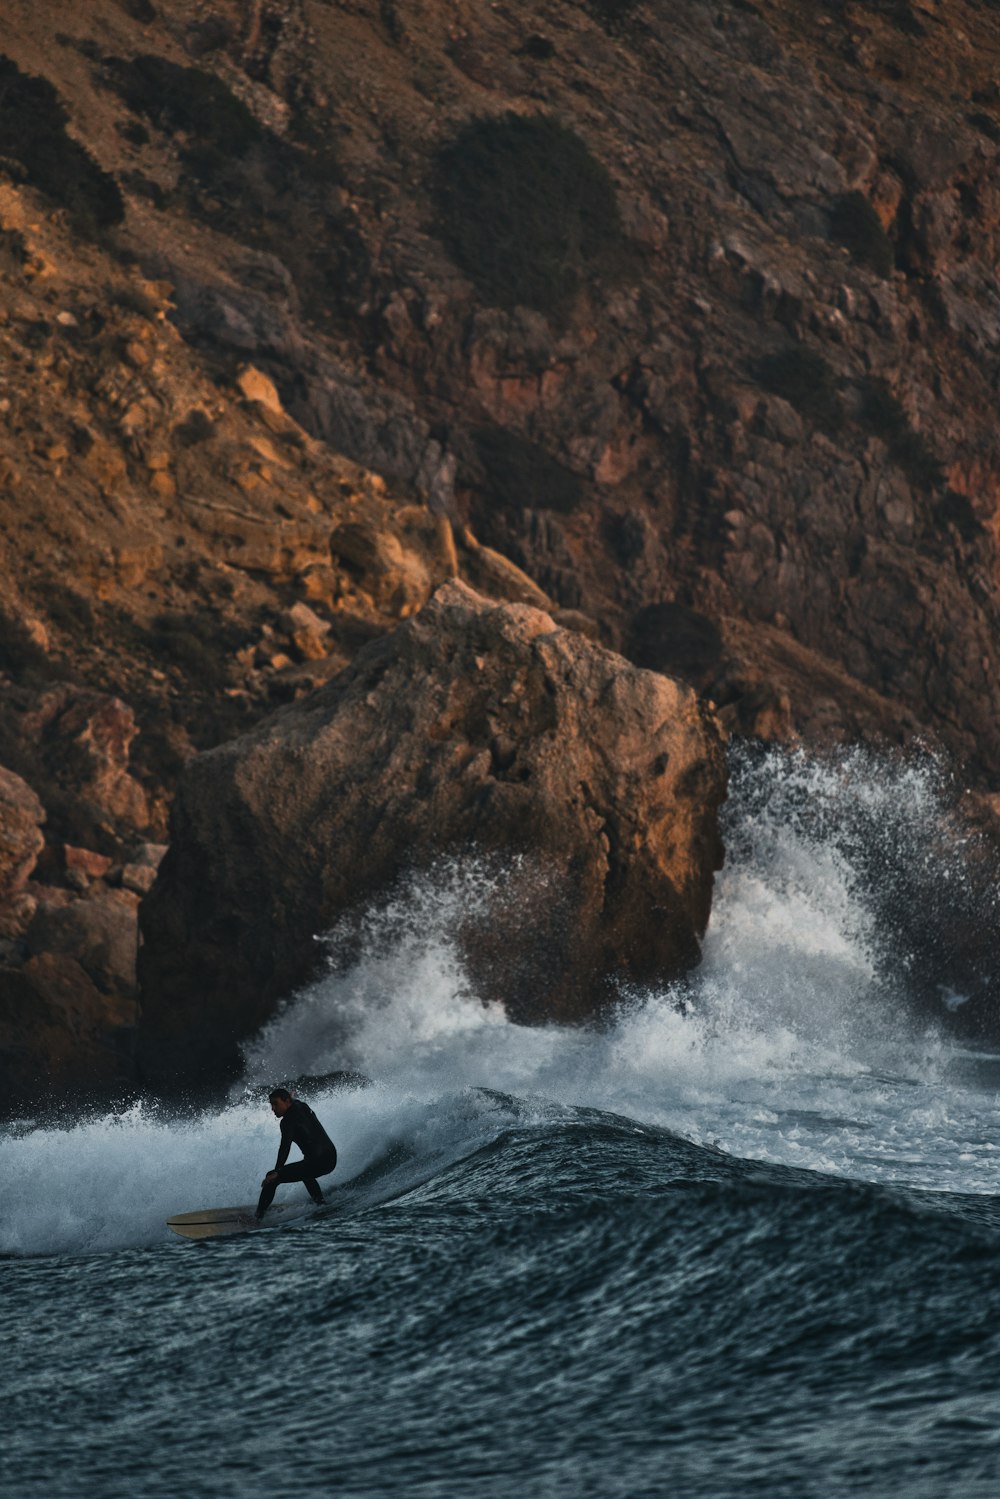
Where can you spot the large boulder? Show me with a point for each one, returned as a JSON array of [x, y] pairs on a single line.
[[474, 727]]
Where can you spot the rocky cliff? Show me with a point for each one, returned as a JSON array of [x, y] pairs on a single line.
[[680, 320]]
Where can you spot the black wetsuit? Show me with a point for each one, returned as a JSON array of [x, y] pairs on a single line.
[[299, 1126]]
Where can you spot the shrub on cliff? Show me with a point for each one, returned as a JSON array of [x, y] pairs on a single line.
[[806, 381], [612, 14], [855, 224], [217, 128], [884, 416], [519, 475], [195, 643], [189, 100], [675, 640], [276, 194], [900, 12], [33, 134], [526, 211]]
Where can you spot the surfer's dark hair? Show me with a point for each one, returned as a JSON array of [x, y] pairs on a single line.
[[278, 1093]]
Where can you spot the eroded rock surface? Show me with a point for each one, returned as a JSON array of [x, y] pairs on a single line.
[[757, 452], [476, 726], [21, 838]]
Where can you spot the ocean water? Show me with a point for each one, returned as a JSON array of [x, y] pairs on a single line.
[[745, 1240]]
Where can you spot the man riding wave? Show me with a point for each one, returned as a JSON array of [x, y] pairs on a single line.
[[299, 1126]]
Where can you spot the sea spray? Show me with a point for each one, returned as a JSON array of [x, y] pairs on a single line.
[[795, 1042], [918, 871], [799, 1007]]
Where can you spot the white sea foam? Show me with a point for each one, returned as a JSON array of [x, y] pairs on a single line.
[[791, 1044]]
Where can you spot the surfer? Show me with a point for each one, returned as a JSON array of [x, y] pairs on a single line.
[[299, 1126]]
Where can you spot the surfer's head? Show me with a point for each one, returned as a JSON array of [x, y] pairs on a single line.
[[281, 1101]]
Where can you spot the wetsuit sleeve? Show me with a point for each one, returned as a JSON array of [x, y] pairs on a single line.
[[284, 1147]]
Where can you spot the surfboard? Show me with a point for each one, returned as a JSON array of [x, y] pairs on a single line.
[[215, 1223], [212, 1223]]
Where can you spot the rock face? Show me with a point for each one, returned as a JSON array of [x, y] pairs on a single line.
[[773, 405], [476, 726], [756, 449], [61, 1038], [21, 840], [83, 739]]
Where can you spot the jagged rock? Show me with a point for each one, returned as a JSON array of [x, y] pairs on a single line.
[[138, 873], [495, 575], [697, 475], [21, 840], [574, 619], [474, 726], [139, 878], [147, 855], [85, 863], [394, 577], [307, 632], [84, 738], [16, 913], [99, 933]]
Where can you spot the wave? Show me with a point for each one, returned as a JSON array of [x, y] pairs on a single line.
[[109, 1184], [795, 1044]]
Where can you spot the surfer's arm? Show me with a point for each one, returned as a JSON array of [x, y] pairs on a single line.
[[283, 1149]]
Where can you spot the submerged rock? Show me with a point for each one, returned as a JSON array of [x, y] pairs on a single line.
[[474, 727]]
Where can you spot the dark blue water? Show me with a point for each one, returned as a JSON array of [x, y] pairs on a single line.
[[747, 1248], [579, 1307]]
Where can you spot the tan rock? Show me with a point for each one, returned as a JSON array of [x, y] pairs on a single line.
[[320, 584], [395, 577], [10, 476], [445, 539], [138, 877], [499, 578], [269, 452], [163, 485], [36, 632], [106, 463], [307, 632], [575, 619], [254, 385], [85, 861], [134, 559]]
